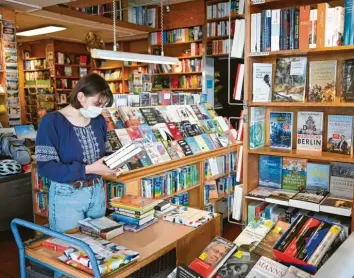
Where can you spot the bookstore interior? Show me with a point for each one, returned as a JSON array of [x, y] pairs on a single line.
[[178, 138]]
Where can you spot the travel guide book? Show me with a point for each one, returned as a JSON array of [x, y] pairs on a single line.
[[294, 173], [309, 131], [270, 171]]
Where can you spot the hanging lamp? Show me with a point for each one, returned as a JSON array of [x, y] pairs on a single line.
[[133, 57]]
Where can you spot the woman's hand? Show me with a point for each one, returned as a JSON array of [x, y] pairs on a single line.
[[99, 168]]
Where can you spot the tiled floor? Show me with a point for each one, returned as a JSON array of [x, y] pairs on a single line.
[[9, 267]]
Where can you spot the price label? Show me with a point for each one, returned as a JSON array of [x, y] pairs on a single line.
[[239, 254], [257, 2], [203, 256], [268, 223], [277, 229], [256, 54]]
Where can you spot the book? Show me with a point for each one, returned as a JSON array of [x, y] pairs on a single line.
[[267, 268], [131, 116], [270, 171], [176, 134], [183, 271], [262, 82], [90, 228], [134, 203], [322, 81], [131, 220], [160, 149], [193, 145], [138, 228], [165, 133], [317, 176], [309, 131], [281, 129], [257, 127], [213, 257], [238, 265], [294, 173], [150, 115], [254, 232], [347, 92], [208, 141], [185, 147], [25, 131], [259, 193], [265, 246], [305, 28], [339, 134], [308, 200], [153, 154], [280, 197], [201, 143], [147, 134], [123, 136], [171, 150], [313, 26], [134, 134], [294, 272], [290, 79], [342, 180], [337, 206]]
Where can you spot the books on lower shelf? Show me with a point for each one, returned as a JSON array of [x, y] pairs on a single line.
[[101, 227], [109, 256]]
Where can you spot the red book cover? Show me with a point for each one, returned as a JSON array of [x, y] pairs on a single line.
[[83, 60], [213, 257], [177, 135], [134, 134], [165, 98], [57, 245]]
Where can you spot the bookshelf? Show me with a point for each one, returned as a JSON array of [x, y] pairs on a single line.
[[338, 53]]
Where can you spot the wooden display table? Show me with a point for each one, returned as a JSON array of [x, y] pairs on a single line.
[[151, 243]]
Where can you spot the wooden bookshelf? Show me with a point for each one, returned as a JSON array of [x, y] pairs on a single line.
[[226, 18], [176, 43], [177, 89], [178, 73], [339, 53]]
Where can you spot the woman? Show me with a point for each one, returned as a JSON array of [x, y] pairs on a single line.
[[70, 146]]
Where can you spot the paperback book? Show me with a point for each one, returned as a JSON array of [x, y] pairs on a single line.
[[339, 134], [266, 267], [260, 193], [337, 206], [309, 130], [294, 173], [342, 180], [290, 79], [347, 93], [322, 83], [308, 200], [317, 176], [262, 82], [257, 127], [270, 171], [281, 129], [281, 197]]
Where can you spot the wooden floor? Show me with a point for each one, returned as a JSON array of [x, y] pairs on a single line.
[[9, 267]]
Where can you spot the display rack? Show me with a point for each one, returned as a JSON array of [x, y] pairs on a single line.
[[339, 53]]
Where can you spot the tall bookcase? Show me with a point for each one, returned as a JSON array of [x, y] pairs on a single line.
[[339, 53]]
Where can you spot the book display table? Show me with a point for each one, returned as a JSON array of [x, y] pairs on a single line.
[[151, 243]]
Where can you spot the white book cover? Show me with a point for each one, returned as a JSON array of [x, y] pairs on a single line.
[[275, 30], [171, 110], [160, 148], [267, 268], [339, 25], [309, 130], [313, 24], [123, 136], [240, 79], [329, 32], [152, 153], [262, 82], [253, 32], [237, 203], [294, 272], [241, 6], [259, 31]]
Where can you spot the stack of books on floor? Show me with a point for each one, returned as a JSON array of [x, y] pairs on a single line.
[[134, 212], [110, 256], [189, 216], [101, 227], [268, 249]]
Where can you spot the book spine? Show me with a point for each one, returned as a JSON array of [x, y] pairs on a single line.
[[281, 30], [263, 32], [275, 30], [299, 241], [268, 29], [325, 245], [330, 25], [297, 27], [348, 11], [259, 32], [292, 27], [321, 24], [253, 33], [292, 233]]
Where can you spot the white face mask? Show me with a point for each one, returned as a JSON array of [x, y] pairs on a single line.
[[91, 112]]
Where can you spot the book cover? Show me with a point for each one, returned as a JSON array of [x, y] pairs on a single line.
[[270, 171], [123, 136], [147, 134], [144, 158], [280, 196], [135, 203], [322, 83], [131, 116], [290, 79], [208, 110], [134, 134], [197, 112], [213, 257], [208, 126], [153, 154], [25, 131], [309, 130], [281, 129], [337, 206], [238, 265], [254, 232], [180, 128], [151, 117], [342, 180], [185, 147], [266, 267], [294, 272], [164, 114], [347, 92], [304, 28], [159, 147], [200, 141], [259, 193], [294, 173], [166, 134], [177, 135], [257, 127], [315, 197], [113, 140], [339, 134], [262, 82], [317, 177], [138, 228], [177, 148], [170, 148], [208, 141], [265, 247], [193, 145]]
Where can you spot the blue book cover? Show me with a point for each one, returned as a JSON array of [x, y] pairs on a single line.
[[147, 134], [193, 145], [157, 185], [211, 125], [25, 131], [317, 176], [126, 219], [281, 129], [208, 142], [348, 10], [268, 29], [270, 171]]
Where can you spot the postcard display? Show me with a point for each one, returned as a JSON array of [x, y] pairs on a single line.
[[11, 71]]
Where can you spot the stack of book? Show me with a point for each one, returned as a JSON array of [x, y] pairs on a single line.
[[162, 208], [110, 257], [134, 212], [101, 227]]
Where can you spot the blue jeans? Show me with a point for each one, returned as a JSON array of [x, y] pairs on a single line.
[[68, 205]]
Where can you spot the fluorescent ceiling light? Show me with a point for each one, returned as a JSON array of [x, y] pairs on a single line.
[[41, 31], [132, 57]]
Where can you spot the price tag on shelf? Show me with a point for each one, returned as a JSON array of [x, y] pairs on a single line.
[[239, 254], [203, 256], [255, 54], [257, 2]]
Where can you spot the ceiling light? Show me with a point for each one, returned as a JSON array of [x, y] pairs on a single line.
[[41, 31], [133, 57]]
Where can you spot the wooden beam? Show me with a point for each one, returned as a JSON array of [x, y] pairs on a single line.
[[88, 3], [99, 19]]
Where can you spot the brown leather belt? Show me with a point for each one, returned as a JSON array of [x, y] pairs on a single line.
[[87, 183]]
